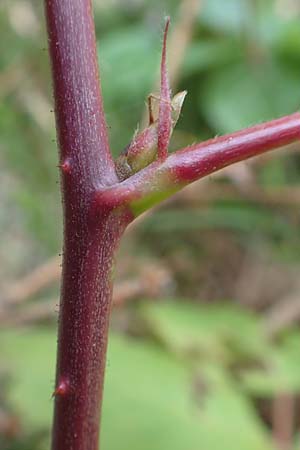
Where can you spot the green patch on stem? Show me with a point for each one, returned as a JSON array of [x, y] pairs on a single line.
[[147, 201]]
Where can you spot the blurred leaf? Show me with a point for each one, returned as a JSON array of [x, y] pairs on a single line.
[[208, 54], [273, 174], [224, 397], [231, 18], [149, 399], [282, 372], [30, 355], [216, 332], [239, 218], [243, 95], [44, 223], [288, 42], [225, 334], [129, 61]]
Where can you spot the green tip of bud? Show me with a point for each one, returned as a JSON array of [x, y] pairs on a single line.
[[177, 102], [142, 150]]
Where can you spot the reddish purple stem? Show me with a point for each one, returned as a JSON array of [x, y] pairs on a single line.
[[90, 235], [164, 118], [202, 159], [81, 125], [97, 208], [197, 161]]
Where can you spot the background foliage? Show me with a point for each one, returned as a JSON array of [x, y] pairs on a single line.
[[204, 348]]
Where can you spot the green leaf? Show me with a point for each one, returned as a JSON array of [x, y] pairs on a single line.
[[147, 402], [216, 333], [281, 374], [129, 61], [30, 355], [206, 55], [229, 18], [242, 95], [149, 399], [238, 218]]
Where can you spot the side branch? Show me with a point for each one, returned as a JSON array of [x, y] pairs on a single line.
[[80, 120], [160, 180]]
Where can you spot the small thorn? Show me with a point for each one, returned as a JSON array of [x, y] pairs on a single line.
[[62, 388], [65, 166]]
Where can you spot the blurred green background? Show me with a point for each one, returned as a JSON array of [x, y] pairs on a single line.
[[204, 345]]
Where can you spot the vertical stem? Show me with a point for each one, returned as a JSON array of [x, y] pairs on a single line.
[[83, 327], [91, 232], [283, 421], [79, 112]]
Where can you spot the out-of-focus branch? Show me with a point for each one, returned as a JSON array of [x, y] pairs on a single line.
[[152, 281], [282, 314], [187, 16], [10, 426], [283, 421], [28, 286]]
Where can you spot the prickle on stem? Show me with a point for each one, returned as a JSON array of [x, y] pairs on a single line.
[[65, 166], [62, 388]]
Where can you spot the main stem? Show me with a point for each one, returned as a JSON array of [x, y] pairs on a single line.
[[83, 328], [91, 233], [97, 209]]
